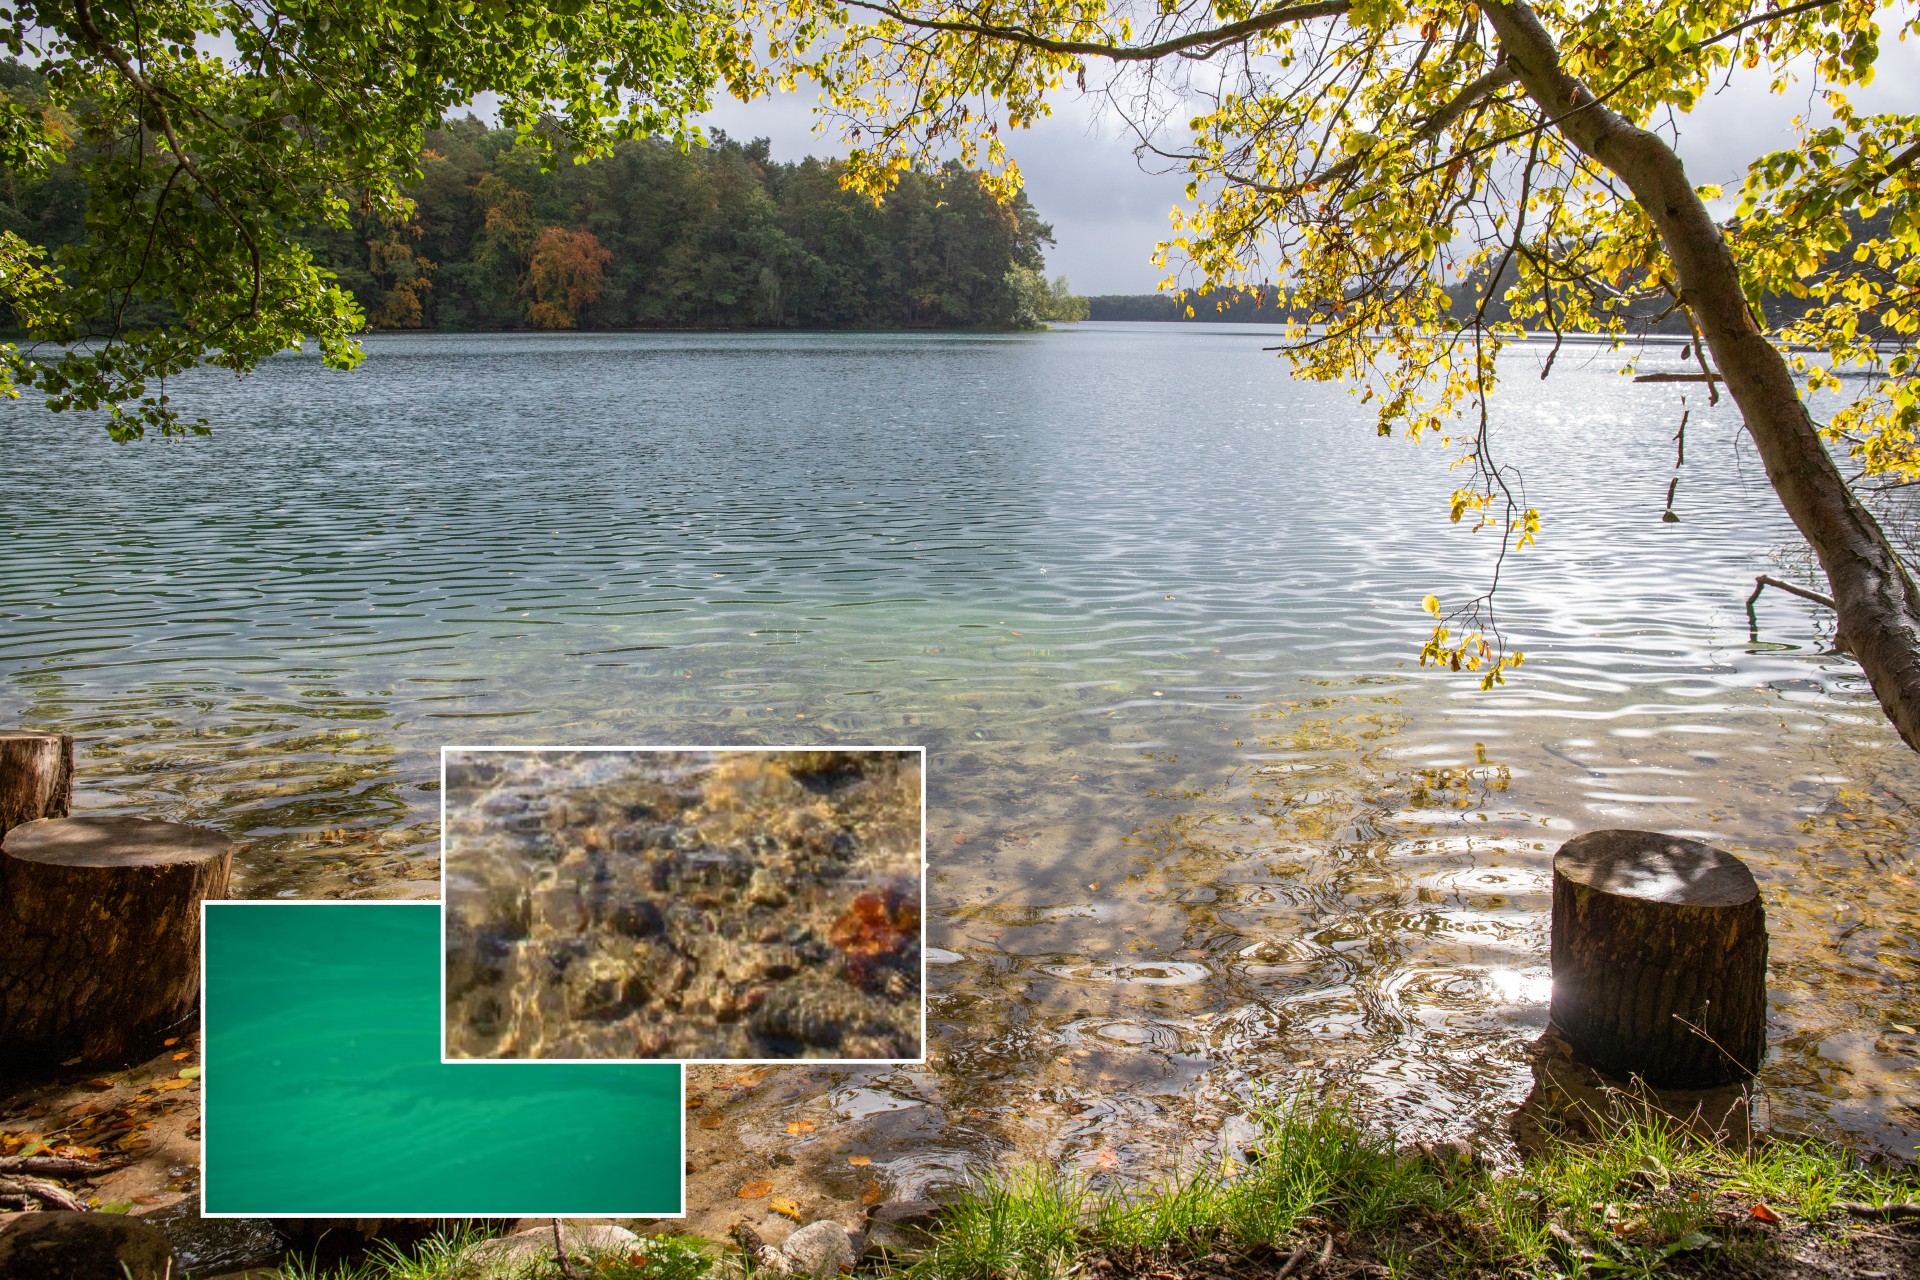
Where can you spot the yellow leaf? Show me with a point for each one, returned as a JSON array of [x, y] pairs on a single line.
[[859, 1162], [785, 1208], [800, 1126]]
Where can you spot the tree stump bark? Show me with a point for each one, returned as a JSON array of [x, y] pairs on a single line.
[[36, 776], [100, 935], [1659, 959]]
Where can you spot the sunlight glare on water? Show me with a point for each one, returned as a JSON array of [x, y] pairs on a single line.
[[1197, 820]]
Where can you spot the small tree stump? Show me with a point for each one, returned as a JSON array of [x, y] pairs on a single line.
[[36, 776], [1659, 959], [100, 935]]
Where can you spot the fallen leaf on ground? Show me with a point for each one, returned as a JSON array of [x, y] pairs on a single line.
[[170, 1041], [785, 1208], [712, 1120], [754, 1190], [695, 1101], [183, 1055], [800, 1126], [874, 1194], [859, 1162], [1764, 1214], [189, 1073]]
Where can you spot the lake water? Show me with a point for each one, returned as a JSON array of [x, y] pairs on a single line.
[[1198, 822]]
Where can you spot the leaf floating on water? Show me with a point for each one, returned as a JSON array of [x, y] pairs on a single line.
[[859, 1162], [800, 1126], [785, 1208], [754, 1190], [874, 1194], [1905, 1030], [1106, 1158]]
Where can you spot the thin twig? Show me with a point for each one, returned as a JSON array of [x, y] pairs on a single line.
[[1885, 1212]]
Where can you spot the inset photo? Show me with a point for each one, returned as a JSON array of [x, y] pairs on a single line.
[[755, 904]]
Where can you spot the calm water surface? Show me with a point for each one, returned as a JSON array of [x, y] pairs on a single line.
[[1197, 819]]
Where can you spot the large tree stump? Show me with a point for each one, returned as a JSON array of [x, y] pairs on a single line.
[[100, 935], [36, 776], [1659, 959]]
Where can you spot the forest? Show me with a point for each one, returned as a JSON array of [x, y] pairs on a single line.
[[715, 236]]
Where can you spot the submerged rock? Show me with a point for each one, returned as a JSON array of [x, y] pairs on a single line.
[[819, 1249], [686, 905], [509, 1254]]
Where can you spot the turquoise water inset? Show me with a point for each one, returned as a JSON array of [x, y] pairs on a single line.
[[325, 1093]]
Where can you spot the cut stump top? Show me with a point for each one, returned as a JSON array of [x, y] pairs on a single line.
[[1656, 868], [113, 842]]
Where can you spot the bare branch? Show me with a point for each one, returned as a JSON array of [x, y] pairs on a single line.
[[1206, 41]]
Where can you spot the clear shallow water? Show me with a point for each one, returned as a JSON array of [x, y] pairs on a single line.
[[326, 1094], [1196, 818]]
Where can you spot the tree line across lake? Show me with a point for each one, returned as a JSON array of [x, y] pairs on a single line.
[[651, 237]]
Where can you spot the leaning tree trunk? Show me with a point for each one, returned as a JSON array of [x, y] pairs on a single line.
[[1875, 598], [36, 776], [100, 935]]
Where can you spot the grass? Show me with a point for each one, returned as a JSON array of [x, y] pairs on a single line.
[[457, 1257], [1649, 1200]]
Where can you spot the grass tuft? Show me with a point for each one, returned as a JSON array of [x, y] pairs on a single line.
[[1649, 1200]]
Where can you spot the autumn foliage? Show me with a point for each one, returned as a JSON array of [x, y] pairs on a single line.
[[564, 276]]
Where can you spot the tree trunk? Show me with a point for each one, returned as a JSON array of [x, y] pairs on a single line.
[[36, 776], [1659, 959], [100, 935], [1875, 598]]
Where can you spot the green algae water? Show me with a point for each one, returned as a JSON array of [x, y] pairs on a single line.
[[325, 1093], [1198, 824]]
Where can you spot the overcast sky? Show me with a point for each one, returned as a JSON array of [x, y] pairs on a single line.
[[1107, 213]]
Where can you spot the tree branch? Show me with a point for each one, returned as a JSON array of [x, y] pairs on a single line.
[[1206, 41], [83, 14]]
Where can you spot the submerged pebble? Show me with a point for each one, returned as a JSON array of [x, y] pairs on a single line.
[[686, 905]]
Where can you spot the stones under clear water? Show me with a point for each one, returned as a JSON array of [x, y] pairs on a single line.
[[704, 905]]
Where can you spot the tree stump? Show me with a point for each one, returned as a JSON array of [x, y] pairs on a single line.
[[1659, 959], [100, 935], [36, 776]]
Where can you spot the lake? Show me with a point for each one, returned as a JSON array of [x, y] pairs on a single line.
[[1199, 825]]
